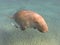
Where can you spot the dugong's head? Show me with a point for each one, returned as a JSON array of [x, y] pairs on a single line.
[[41, 25]]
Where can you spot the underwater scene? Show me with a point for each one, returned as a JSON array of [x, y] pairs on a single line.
[[10, 35]]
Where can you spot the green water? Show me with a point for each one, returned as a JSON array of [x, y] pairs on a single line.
[[49, 9]]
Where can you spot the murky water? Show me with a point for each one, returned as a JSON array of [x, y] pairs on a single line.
[[49, 9]]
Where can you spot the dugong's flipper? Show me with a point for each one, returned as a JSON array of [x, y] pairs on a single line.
[[34, 27], [22, 27]]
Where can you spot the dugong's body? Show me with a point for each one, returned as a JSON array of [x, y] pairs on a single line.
[[26, 18]]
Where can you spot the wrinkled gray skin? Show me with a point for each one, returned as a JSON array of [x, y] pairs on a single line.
[[26, 18]]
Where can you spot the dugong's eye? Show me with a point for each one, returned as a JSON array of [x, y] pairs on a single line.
[[35, 22]]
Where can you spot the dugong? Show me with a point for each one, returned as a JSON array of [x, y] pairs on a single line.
[[28, 18]]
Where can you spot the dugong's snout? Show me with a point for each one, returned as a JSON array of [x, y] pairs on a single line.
[[43, 29]]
